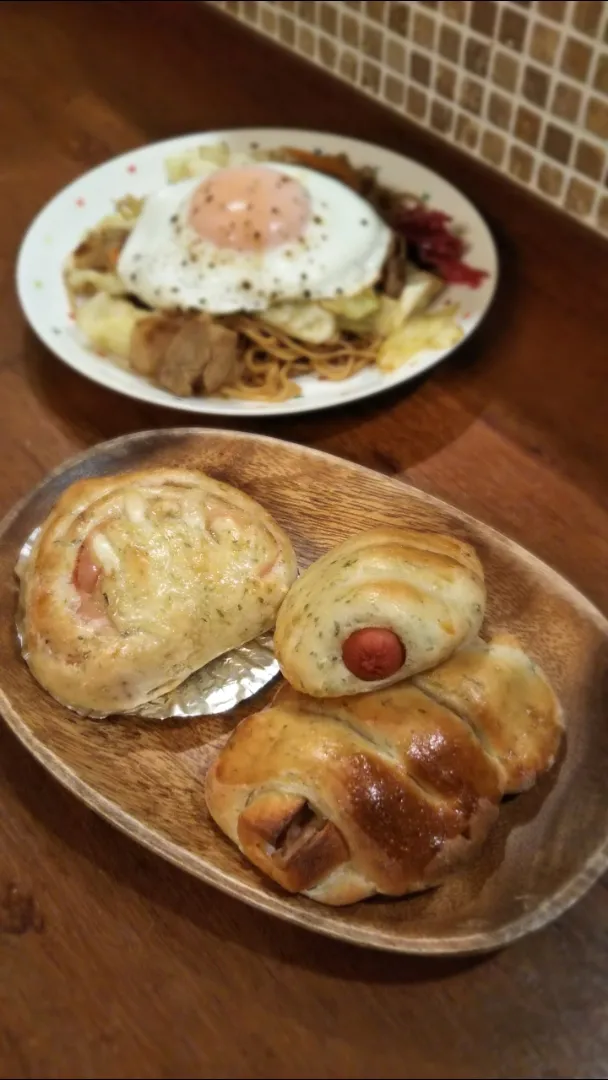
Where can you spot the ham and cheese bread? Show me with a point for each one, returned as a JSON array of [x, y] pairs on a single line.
[[380, 607], [138, 580], [386, 792]]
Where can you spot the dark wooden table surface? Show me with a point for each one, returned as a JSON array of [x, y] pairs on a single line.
[[112, 963]]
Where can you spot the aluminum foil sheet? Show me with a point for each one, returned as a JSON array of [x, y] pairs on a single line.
[[218, 687]]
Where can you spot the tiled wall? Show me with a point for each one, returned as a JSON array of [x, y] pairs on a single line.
[[523, 86]]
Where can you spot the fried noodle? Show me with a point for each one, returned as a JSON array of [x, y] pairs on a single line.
[[272, 359]]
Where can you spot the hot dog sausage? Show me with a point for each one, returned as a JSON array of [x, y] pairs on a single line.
[[373, 653]]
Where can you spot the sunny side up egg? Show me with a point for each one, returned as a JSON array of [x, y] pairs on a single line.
[[246, 237]]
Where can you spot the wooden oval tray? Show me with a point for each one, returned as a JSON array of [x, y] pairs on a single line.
[[146, 777]]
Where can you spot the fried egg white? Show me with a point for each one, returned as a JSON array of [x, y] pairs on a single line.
[[244, 238]]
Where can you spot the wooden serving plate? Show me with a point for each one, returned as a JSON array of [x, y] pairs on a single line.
[[146, 777]]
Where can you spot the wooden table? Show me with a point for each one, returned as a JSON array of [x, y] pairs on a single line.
[[112, 963]]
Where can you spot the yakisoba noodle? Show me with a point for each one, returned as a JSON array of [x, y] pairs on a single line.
[[272, 359]]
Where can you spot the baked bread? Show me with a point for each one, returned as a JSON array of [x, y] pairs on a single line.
[[508, 702], [138, 580], [378, 608], [386, 792]]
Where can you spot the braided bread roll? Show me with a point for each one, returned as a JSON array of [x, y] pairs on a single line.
[[378, 608], [138, 580], [386, 792]]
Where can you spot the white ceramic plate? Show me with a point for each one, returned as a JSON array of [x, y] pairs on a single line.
[[60, 225]]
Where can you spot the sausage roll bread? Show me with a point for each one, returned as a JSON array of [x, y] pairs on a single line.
[[380, 607], [136, 581], [385, 792]]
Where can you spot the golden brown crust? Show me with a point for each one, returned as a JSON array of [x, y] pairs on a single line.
[[364, 765], [137, 580], [426, 588], [507, 701], [386, 792]]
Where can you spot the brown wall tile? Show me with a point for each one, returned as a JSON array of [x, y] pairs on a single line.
[[483, 16], [329, 19], [350, 30], [552, 9], [445, 81], [557, 143], [536, 86], [372, 42], [576, 59], [527, 125], [550, 180], [442, 117], [398, 17], [395, 55], [521, 164], [493, 147], [420, 68], [512, 29], [416, 102], [349, 65], [590, 160], [596, 117], [268, 20], [505, 71], [454, 9], [287, 30], [307, 11], [460, 68], [394, 89], [449, 43], [328, 54], [600, 80], [471, 96], [371, 76], [306, 40], [467, 131], [424, 30], [587, 15], [579, 197], [477, 57], [377, 10], [500, 111], [544, 42], [566, 102]]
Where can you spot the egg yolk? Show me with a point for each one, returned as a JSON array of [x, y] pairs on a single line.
[[249, 208]]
